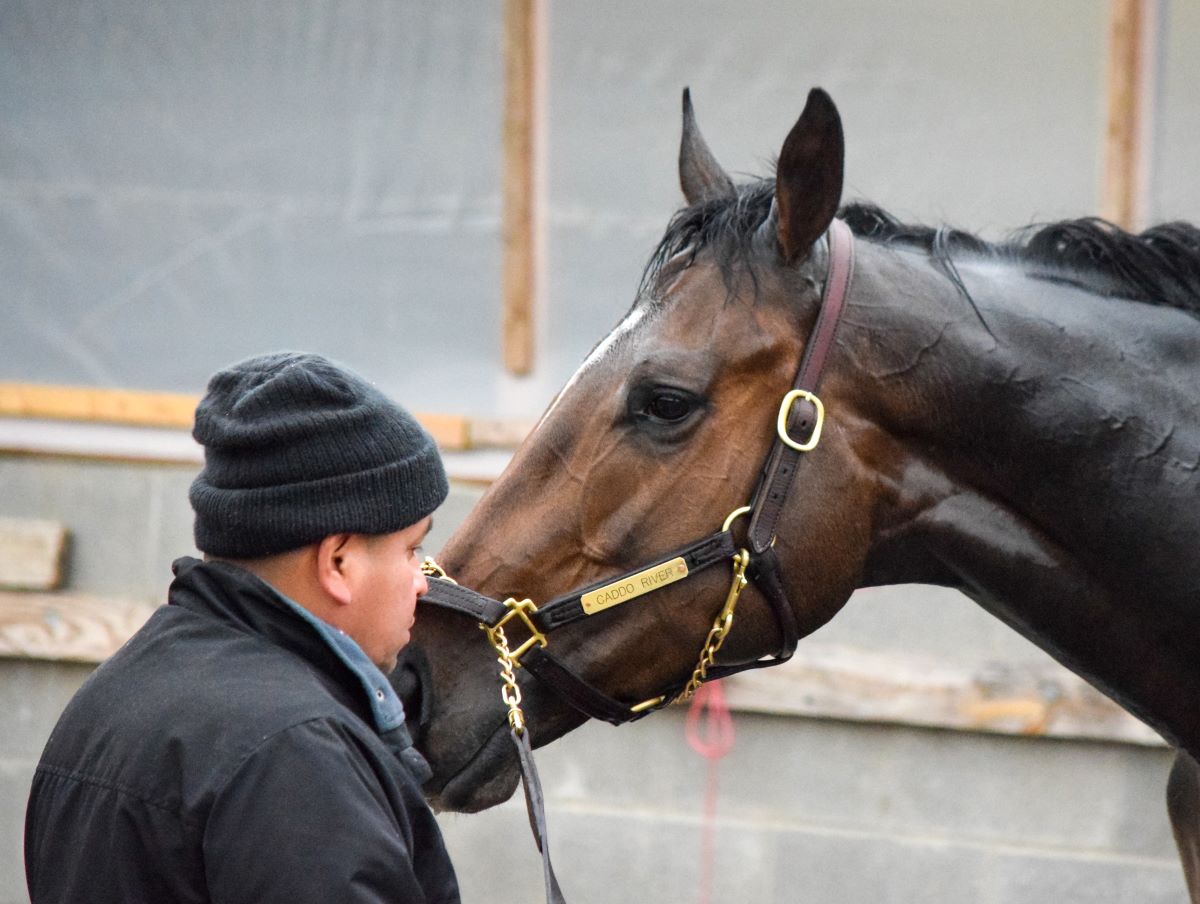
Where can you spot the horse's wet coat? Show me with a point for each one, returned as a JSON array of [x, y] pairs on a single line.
[[1021, 422]]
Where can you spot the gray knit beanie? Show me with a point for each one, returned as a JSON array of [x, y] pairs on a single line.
[[297, 448]]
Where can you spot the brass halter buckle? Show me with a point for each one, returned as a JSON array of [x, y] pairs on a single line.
[[785, 409], [522, 609], [510, 691]]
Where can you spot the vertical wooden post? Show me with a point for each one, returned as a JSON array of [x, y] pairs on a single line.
[[519, 284], [1129, 51]]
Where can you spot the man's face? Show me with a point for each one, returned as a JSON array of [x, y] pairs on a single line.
[[385, 597]]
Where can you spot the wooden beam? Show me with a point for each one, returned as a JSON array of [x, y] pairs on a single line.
[[518, 232], [108, 406], [449, 431], [81, 404], [822, 680], [458, 433], [835, 682], [497, 433], [66, 627], [1129, 70], [31, 554]]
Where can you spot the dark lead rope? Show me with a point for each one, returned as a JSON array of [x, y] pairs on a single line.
[[535, 805]]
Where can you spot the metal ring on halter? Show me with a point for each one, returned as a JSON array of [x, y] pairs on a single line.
[[734, 515], [431, 569], [737, 513]]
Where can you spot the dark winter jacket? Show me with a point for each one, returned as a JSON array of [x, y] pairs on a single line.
[[235, 750]]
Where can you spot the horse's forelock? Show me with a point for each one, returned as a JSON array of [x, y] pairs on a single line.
[[724, 228]]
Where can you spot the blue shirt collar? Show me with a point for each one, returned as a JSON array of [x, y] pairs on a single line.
[[386, 707]]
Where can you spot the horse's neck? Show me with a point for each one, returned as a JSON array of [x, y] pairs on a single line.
[[1074, 415], [1052, 474]]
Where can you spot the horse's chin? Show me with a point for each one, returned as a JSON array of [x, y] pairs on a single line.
[[489, 778]]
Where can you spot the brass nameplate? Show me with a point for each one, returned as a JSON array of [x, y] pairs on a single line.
[[634, 586]]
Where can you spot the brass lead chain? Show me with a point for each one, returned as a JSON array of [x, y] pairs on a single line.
[[431, 569], [510, 692], [720, 627]]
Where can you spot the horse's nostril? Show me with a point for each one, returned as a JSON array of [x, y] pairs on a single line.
[[411, 681]]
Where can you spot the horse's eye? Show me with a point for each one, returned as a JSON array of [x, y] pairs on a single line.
[[662, 411], [669, 406]]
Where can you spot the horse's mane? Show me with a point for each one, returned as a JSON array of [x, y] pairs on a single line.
[[1159, 266]]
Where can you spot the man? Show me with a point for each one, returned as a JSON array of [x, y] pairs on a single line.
[[245, 746]]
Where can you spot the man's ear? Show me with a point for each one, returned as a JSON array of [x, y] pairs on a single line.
[[334, 567]]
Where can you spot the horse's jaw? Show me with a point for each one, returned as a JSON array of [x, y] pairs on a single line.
[[488, 778], [473, 753]]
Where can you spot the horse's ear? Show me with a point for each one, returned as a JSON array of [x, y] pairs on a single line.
[[808, 180], [700, 176]]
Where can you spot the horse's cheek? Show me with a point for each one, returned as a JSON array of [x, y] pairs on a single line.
[[829, 526]]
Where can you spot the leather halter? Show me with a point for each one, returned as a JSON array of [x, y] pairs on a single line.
[[801, 414]]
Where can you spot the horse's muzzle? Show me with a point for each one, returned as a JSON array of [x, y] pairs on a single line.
[[489, 778]]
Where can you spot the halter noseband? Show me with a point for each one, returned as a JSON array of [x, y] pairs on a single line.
[[801, 414]]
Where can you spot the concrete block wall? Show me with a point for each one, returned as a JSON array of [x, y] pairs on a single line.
[[32, 694], [837, 813], [808, 810]]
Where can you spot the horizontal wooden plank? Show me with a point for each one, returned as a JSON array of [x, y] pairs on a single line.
[[71, 627], [448, 431], [108, 406], [98, 442], [1027, 699], [821, 681], [81, 404], [31, 554], [496, 433]]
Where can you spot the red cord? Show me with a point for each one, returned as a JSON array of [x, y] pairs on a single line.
[[714, 738], [709, 731]]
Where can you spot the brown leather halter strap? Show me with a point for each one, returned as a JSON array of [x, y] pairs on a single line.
[[801, 419], [799, 422]]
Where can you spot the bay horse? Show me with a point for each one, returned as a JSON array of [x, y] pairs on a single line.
[[1020, 421]]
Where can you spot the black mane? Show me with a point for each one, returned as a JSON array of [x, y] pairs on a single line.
[[1158, 266]]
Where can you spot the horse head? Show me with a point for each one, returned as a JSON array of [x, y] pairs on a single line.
[[1018, 421], [660, 434]]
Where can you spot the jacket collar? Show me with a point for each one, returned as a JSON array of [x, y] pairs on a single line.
[[252, 605]]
